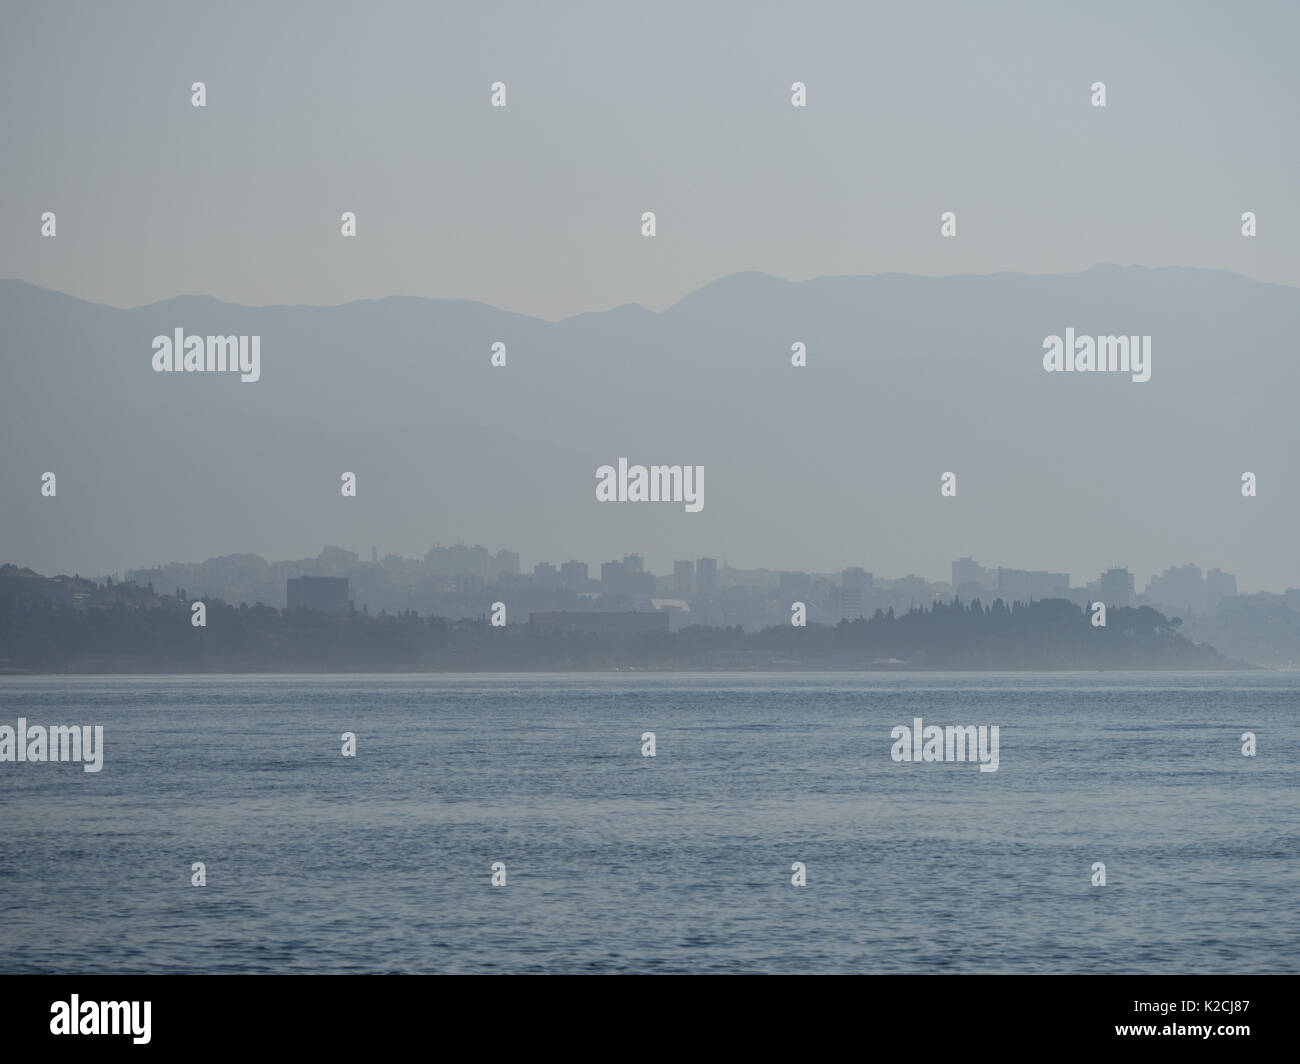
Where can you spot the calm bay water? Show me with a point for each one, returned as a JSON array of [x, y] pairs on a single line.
[[682, 862]]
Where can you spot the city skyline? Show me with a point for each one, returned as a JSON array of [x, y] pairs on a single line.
[[466, 586], [576, 575], [572, 572]]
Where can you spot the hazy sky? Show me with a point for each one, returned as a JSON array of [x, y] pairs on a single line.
[[616, 108], [682, 109]]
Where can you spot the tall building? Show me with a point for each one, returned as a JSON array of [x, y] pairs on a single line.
[[706, 575], [793, 584], [846, 603], [1180, 587], [613, 578], [684, 578], [857, 578], [459, 561], [969, 571], [546, 577], [1218, 586], [573, 575], [1116, 587], [326, 594], [1029, 585]]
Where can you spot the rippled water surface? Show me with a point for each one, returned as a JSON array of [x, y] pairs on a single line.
[[681, 862]]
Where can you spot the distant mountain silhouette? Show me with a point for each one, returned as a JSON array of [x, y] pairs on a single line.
[[816, 468]]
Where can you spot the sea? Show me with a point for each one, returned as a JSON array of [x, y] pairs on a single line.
[[612, 861]]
